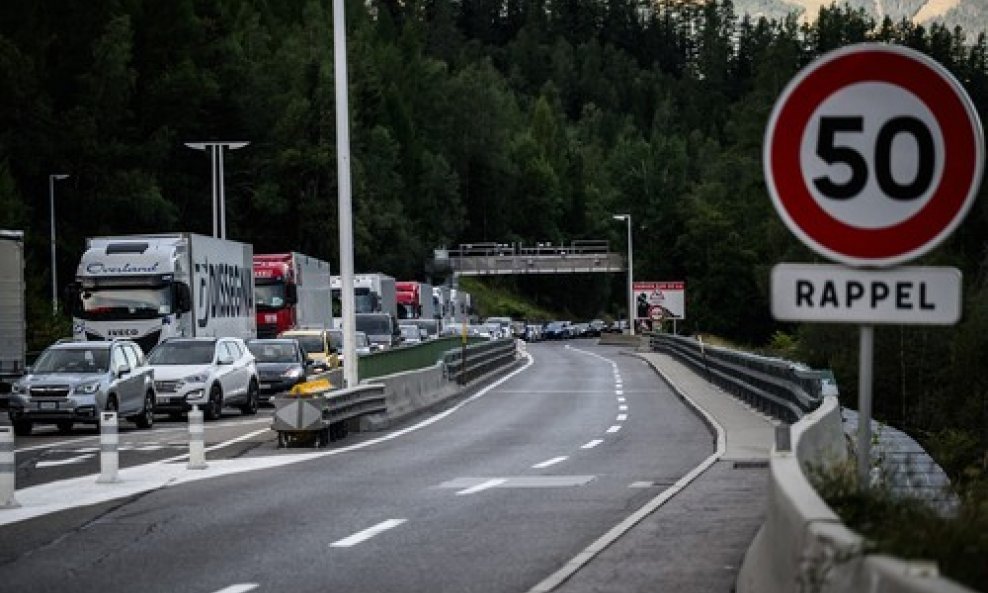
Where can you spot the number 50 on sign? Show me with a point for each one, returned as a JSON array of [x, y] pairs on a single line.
[[873, 155]]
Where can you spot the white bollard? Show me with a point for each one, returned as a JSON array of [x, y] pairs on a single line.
[[109, 448], [8, 469], [197, 437]]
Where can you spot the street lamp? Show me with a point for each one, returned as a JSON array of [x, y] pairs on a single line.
[[216, 156], [631, 286], [51, 209]]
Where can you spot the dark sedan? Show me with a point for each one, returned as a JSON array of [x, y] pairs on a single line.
[[281, 364]]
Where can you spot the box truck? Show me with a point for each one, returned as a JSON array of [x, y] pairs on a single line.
[[291, 291], [148, 288], [373, 293], [12, 324]]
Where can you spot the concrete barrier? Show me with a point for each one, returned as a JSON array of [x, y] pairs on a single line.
[[803, 545], [409, 392]]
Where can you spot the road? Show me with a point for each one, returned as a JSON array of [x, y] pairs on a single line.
[[493, 495]]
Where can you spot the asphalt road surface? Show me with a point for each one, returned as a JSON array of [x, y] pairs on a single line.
[[493, 495]]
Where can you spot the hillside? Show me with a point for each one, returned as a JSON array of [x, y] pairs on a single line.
[[972, 15]]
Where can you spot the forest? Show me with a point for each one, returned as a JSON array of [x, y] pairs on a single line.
[[471, 120]]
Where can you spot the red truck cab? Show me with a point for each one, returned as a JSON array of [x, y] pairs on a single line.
[[275, 293]]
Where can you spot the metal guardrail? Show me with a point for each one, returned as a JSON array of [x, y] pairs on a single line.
[[781, 388], [323, 415], [408, 358], [481, 359]]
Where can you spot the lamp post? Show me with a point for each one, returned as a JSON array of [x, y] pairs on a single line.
[[631, 281], [51, 209], [216, 156], [350, 375]]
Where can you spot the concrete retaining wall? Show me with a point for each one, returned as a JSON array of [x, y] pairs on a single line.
[[409, 392], [803, 546]]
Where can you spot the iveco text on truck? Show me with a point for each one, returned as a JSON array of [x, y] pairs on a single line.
[[147, 288], [291, 291]]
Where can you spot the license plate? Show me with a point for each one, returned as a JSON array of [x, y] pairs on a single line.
[[47, 405]]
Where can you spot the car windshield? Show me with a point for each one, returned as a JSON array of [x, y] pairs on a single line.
[[269, 294], [182, 352], [73, 360], [124, 303], [273, 351]]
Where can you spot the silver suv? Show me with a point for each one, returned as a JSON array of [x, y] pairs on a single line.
[[72, 382]]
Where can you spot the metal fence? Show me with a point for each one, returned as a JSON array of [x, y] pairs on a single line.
[[407, 358], [781, 388], [481, 359]]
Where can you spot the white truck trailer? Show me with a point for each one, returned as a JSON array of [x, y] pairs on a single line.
[[373, 293], [12, 321], [151, 287]]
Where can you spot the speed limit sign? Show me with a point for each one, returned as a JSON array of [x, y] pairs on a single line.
[[873, 155]]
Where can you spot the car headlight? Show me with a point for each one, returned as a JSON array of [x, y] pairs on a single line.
[[87, 388], [196, 378], [292, 373]]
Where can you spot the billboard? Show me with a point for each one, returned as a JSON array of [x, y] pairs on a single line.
[[655, 301]]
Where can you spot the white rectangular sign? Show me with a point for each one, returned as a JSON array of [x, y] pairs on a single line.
[[659, 300], [838, 294]]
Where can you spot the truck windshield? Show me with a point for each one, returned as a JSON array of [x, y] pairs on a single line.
[[374, 325], [269, 294], [98, 304], [72, 360]]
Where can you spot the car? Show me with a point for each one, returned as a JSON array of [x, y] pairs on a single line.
[[556, 330], [381, 328], [431, 327], [73, 382], [364, 345], [410, 334], [321, 346], [281, 364], [211, 373]]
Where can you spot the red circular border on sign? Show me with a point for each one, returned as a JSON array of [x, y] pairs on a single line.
[[960, 146]]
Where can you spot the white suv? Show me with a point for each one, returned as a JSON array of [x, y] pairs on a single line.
[[208, 372]]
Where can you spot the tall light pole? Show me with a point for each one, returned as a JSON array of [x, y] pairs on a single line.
[[631, 275], [216, 156], [350, 376], [51, 209]]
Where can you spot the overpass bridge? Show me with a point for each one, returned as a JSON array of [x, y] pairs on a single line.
[[498, 259]]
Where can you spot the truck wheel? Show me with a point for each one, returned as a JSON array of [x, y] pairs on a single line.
[[214, 408], [64, 426], [250, 408], [146, 418], [23, 428]]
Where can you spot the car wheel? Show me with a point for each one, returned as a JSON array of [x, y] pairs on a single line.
[[250, 408], [214, 407], [23, 428], [64, 426], [146, 418]]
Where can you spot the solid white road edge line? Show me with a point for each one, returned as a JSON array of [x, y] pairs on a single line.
[[580, 560], [50, 497], [69, 461], [362, 536], [549, 463]]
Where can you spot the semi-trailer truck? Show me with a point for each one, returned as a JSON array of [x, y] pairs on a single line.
[[291, 291], [147, 288], [415, 300], [373, 293]]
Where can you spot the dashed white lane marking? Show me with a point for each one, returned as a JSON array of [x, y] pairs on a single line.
[[592, 444], [493, 483], [59, 462], [614, 428], [241, 588], [641, 484], [622, 399], [623, 408], [549, 463], [362, 536], [618, 392], [622, 417]]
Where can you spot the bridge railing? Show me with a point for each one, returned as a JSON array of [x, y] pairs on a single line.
[[781, 388]]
